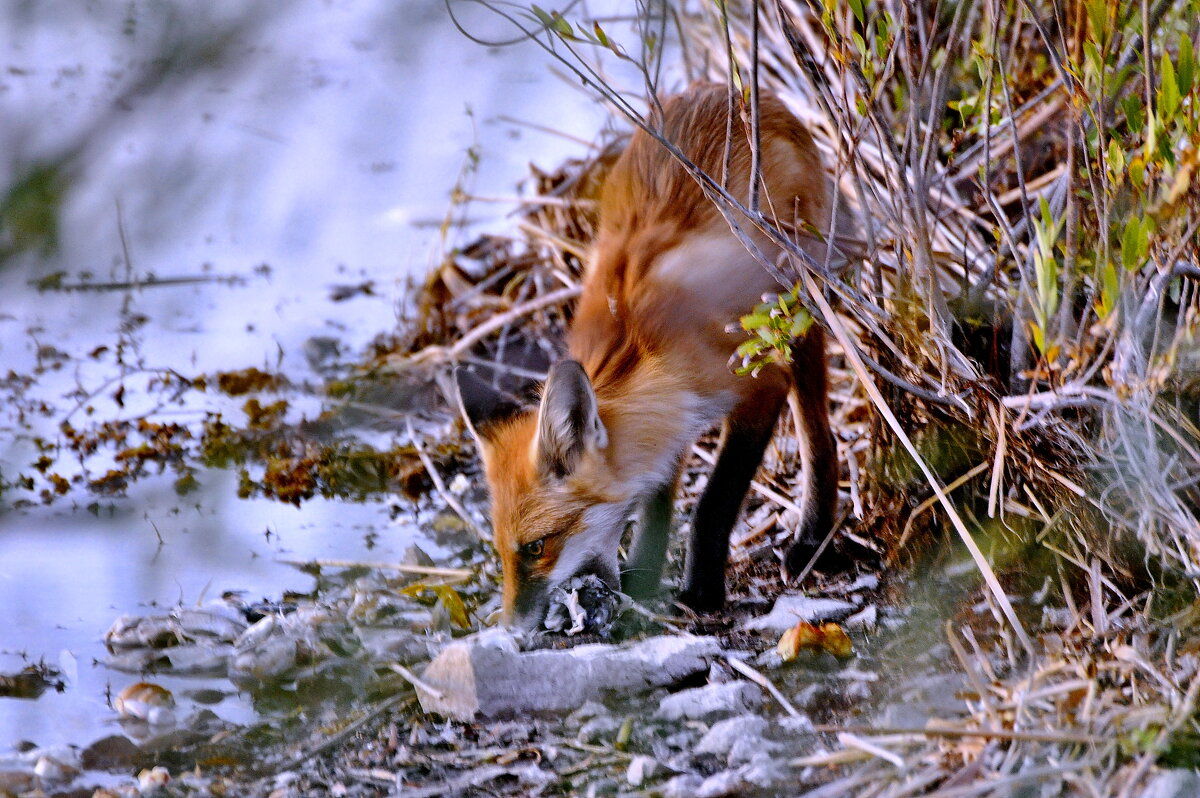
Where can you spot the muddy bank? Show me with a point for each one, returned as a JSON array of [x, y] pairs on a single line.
[[382, 680]]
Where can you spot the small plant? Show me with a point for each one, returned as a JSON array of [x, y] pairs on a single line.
[[773, 326]]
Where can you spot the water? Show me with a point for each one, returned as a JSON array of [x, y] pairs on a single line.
[[293, 147]]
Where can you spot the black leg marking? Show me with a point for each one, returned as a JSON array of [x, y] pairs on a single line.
[[746, 435]]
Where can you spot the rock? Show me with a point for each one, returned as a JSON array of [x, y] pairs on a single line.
[[725, 733], [749, 750], [202, 659], [864, 582], [696, 703], [15, 782], [599, 728], [866, 618], [726, 782], [589, 710], [603, 787], [640, 769], [152, 780], [682, 786], [800, 724], [486, 674], [114, 752], [790, 609], [277, 647], [1173, 784], [764, 769], [54, 770]]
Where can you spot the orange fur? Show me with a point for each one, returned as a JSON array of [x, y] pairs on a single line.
[[667, 278]]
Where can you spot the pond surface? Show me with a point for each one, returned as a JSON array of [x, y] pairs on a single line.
[[229, 186]]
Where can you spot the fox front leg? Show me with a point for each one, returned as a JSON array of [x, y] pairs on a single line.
[[641, 577]]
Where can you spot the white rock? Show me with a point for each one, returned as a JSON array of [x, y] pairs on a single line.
[[683, 786], [1173, 784], [487, 675], [640, 769], [790, 609], [724, 733], [726, 698], [151, 781], [750, 751], [727, 782], [866, 618], [864, 582], [52, 769]]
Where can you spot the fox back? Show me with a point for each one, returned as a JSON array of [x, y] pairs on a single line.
[[649, 368]]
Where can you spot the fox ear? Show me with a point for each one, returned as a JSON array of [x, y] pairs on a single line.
[[568, 420], [481, 405]]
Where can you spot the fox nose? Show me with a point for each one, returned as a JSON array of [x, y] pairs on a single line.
[[527, 607]]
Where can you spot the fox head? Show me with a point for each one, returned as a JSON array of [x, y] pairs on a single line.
[[556, 508]]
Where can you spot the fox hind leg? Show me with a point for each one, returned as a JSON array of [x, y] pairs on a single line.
[[820, 451]]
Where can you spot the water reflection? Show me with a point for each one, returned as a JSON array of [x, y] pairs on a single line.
[[298, 147]]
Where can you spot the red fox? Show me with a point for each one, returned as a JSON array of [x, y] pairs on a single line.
[[648, 372]]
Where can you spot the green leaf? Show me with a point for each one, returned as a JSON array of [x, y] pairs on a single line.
[[1038, 336], [1116, 161], [1135, 243], [1168, 91], [601, 36], [753, 321], [545, 18], [1097, 11], [801, 323], [857, 7], [1134, 116], [1187, 66], [1110, 287]]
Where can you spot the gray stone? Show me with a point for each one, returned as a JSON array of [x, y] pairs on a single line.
[[864, 582], [682, 786], [16, 782], [866, 618], [487, 675], [799, 724], [589, 710], [727, 698], [725, 733], [790, 609], [749, 749], [727, 782], [764, 769], [1173, 784], [599, 728], [115, 752]]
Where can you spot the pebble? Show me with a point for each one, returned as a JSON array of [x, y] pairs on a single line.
[[115, 752], [598, 729], [1173, 784], [725, 733], [52, 769], [711, 700], [866, 618], [641, 768], [792, 608]]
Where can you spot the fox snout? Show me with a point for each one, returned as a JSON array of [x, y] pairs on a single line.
[[530, 600]]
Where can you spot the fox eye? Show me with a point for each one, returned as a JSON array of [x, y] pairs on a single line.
[[534, 548]]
